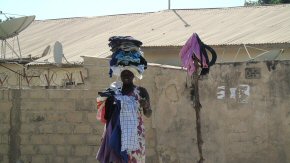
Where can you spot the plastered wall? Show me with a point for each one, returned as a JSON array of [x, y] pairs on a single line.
[[244, 118]]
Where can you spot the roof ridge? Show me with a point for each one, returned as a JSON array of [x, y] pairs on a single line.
[[92, 17], [166, 10]]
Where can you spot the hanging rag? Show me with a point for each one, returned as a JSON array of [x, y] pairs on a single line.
[[195, 48]]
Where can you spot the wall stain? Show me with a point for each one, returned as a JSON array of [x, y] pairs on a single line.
[[15, 125], [197, 107], [38, 118], [171, 93], [271, 65]]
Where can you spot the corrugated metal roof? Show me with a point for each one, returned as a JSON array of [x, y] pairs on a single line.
[[218, 26]]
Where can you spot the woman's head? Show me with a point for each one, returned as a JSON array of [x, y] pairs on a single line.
[[127, 77]]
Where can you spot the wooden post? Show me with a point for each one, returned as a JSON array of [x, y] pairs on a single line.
[[197, 107]]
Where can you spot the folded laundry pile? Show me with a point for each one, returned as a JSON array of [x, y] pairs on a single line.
[[127, 55]]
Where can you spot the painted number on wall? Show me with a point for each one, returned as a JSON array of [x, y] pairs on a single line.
[[241, 93]]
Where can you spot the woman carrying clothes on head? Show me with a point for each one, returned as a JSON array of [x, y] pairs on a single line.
[[124, 135], [124, 138]]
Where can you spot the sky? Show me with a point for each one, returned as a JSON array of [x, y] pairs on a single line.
[[54, 9]]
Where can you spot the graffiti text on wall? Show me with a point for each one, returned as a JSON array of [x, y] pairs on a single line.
[[240, 94]]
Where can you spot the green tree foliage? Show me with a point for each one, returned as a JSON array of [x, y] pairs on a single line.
[[262, 2], [273, 1], [251, 3]]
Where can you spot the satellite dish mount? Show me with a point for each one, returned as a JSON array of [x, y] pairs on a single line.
[[10, 28]]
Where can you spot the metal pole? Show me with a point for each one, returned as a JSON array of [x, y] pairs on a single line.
[[11, 48], [3, 49], [19, 48], [168, 4]]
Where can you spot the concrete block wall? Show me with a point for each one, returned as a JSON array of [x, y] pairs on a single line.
[[60, 128], [50, 126], [5, 105]]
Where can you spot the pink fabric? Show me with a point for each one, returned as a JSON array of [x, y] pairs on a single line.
[[191, 47], [101, 109]]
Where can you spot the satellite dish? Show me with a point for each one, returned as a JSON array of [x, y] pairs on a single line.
[[269, 55], [13, 27], [46, 51], [58, 52]]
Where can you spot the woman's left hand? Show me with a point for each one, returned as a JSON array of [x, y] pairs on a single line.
[[144, 103], [146, 107]]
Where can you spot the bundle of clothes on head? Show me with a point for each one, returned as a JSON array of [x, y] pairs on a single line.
[[195, 50], [126, 55]]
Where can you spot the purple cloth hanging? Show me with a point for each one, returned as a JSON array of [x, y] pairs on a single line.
[[192, 47]]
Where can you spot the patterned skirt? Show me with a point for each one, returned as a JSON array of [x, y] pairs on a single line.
[[138, 156]]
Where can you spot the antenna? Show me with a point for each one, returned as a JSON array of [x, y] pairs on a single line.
[[10, 28], [58, 52]]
